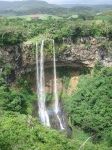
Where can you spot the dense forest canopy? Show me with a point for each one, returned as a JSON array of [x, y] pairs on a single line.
[[18, 30]]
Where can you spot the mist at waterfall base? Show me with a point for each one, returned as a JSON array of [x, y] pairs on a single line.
[[44, 115]]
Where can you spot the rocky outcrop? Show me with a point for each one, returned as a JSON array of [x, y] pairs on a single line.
[[79, 55], [11, 55], [20, 58], [84, 53]]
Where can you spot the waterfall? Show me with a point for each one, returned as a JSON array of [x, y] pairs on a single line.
[[41, 85], [56, 105], [40, 82]]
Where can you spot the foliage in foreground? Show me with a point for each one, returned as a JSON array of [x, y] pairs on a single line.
[[91, 106], [21, 132], [25, 133]]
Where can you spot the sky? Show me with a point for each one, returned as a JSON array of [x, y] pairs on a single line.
[[75, 1], [81, 1]]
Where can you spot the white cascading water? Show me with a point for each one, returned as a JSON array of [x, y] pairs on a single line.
[[41, 86], [56, 105]]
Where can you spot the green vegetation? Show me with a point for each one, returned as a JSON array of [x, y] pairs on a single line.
[[90, 107], [18, 98], [24, 132], [19, 130], [18, 30]]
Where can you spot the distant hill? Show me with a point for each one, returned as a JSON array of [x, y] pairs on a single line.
[[24, 5], [95, 7], [27, 7], [87, 9]]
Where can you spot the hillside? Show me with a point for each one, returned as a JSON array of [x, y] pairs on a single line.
[[25, 7], [42, 7]]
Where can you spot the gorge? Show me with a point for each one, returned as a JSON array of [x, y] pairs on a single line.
[[55, 84]]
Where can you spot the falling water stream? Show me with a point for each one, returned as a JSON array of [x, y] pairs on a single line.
[[40, 76], [56, 106], [41, 86]]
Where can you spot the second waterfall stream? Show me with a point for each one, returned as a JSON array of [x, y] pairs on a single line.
[[56, 106], [41, 93]]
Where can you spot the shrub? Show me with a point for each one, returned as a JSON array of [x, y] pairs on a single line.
[[90, 107]]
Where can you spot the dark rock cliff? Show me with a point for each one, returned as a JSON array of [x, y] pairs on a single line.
[[86, 52]]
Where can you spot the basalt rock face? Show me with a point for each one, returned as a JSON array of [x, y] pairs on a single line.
[[11, 55], [78, 56], [84, 53], [20, 58]]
